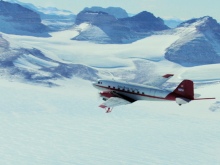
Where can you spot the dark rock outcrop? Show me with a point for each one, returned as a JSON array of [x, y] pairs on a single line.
[[117, 12], [16, 19], [144, 22]]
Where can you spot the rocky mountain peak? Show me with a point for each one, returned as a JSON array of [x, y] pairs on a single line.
[[18, 13], [144, 22], [202, 24], [123, 30], [95, 18], [144, 15], [117, 12], [16, 19], [199, 43]]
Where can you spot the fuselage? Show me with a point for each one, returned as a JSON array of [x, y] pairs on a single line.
[[135, 91]]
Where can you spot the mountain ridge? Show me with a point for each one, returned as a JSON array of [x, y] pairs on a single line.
[[22, 22], [52, 17], [124, 30], [199, 43], [196, 42], [117, 12]]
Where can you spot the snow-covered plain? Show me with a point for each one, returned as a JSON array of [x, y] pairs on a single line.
[[63, 124]]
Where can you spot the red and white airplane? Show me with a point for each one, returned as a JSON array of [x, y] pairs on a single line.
[[116, 93]]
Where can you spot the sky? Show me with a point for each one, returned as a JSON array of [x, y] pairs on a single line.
[[184, 10]]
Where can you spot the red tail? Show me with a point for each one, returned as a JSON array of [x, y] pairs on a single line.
[[185, 89]]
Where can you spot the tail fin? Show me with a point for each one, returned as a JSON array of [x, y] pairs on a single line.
[[185, 89]]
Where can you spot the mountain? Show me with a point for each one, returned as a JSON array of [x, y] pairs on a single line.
[[16, 19], [55, 19], [117, 12], [124, 30], [199, 42], [32, 65], [4, 44], [193, 42], [144, 22]]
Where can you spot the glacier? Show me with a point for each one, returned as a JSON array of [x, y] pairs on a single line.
[[63, 124], [49, 109]]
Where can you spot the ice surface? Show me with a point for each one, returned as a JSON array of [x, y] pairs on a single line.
[[63, 125], [215, 106], [32, 62], [203, 73], [60, 47]]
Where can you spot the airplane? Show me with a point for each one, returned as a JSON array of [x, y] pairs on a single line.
[[116, 93]]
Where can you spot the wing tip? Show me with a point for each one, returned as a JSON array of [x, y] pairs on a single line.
[[103, 106], [168, 75]]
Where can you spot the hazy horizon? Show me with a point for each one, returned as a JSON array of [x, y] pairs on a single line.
[[161, 8]]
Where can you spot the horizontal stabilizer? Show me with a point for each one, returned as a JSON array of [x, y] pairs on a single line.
[[205, 98], [181, 101]]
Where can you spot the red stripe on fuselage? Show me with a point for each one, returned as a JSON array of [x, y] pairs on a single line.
[[169, 97], [172, 96]]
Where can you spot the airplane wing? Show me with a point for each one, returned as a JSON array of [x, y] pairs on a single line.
[[158, 81], [114, 99], [113, 102]]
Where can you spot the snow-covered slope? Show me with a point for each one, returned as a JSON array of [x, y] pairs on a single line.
[[199, 43], [63, 124], [119, 31], [23, 62], [59, 57]]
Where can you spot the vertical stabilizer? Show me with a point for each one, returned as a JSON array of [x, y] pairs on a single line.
[[185, 89]]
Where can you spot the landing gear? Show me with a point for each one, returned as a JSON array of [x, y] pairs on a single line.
[[108, 110]]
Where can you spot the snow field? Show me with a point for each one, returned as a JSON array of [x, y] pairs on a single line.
[[63, 125], [59, 47]]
